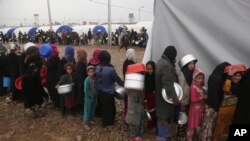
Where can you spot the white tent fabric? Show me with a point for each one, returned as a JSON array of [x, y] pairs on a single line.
[[54, 27], [43, 28], [79, 29], [5, 30], [212, 30], [23, 30]]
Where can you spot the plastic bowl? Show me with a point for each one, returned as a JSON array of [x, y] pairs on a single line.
[[65, 89]]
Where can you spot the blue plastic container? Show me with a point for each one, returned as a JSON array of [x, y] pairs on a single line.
[[6, 82], [45, 50]]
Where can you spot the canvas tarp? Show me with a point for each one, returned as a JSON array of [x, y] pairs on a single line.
[[212, 30]]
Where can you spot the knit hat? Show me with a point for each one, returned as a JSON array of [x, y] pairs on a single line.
[[90, 67]]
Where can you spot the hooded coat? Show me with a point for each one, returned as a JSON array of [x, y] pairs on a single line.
[[165, 77]]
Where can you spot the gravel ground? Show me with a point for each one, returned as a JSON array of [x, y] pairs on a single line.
[[15, 125]]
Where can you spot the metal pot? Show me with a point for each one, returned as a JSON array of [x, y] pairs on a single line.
[[182, 118], [186, 59], [64, 89], [178, 90], [120, 92], [134, 81]]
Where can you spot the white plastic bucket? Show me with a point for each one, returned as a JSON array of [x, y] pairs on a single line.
[[134, 81]]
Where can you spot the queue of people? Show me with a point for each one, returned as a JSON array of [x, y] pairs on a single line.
[[209, 113]]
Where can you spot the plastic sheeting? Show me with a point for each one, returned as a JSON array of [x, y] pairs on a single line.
[[56, 28], [31, 31], [214, 31], [8, 31], [99, 28]]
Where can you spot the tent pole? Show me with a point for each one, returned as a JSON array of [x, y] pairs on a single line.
[[50, 21], [109, 24]]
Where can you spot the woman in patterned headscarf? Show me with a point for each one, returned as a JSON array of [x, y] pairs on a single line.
[[81, 73]]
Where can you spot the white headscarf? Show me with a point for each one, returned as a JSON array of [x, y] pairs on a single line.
[[130, 55]]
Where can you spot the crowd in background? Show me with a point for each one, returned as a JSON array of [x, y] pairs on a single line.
[[122, 37]]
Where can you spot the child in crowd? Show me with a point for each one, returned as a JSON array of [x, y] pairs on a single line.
[[197, 104], [135, 116], [90, 99], [149, 100], [130, 59], [68, 99]]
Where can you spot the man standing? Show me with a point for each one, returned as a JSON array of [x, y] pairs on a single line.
[[165, 77], [89, 36]]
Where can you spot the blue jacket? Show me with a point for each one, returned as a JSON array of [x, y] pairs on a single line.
[[106, 77]]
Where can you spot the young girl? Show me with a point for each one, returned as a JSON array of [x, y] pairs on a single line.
[[149, 101], [90, 99], [197, 104], [68, 99]]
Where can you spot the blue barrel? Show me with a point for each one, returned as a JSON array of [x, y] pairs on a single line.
[[45, 50], [6, 82]]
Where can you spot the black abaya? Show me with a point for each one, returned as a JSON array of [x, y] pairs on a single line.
[[52, 68], [242, 114]]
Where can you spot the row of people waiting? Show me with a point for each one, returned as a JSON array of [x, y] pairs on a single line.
[[93, 92]]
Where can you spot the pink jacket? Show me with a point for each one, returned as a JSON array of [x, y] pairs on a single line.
[[197, 105]]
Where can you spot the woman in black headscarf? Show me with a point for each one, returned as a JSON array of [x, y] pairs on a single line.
[[242, 114], [215, 95], [31, 82], [106, 77], [3, 70], [185, 78]]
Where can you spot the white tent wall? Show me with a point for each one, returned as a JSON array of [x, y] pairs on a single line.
[[22, 29], [146, 24], [214, 31], [43, 28], [5, 30], [78, 29]]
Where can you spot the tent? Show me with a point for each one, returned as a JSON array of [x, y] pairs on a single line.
[[99, 28], [213, 31], [63, 28], [31, 31], [56, 28], [8, 31]]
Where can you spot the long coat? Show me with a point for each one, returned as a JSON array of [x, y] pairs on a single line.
[[185, 87], [165, 77], [52, 67], [135, 107], [81, 76], [90, 101]]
